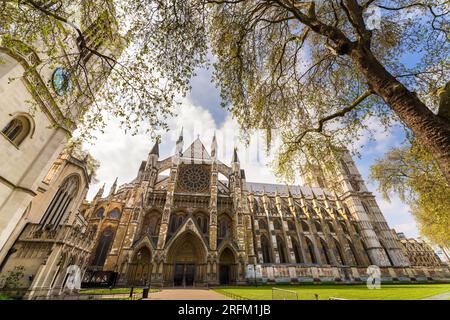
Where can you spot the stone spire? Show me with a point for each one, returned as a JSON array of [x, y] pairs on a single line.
[[155, 149], [113, 188], [235, 156], [214, 147], [100, 192]]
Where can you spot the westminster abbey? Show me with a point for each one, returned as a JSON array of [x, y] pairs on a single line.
[[191, 220]]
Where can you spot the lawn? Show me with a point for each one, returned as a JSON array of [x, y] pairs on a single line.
[[112, 291], [351, 292]]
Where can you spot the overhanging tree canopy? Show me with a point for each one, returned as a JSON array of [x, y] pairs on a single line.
[[311, 69]]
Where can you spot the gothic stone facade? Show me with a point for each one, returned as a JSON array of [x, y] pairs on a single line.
[[54, 235], [33, 136], [419, 252], [204, 224]]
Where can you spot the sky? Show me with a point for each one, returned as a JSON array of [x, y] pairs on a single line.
[[200, 115]]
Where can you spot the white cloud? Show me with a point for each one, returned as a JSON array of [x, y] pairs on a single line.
[[121, 154]]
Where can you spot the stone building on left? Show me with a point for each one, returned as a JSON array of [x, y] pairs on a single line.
[[42, 99], [54, 237]]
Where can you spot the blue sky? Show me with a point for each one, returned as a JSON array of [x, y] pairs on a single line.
[[200, 115]]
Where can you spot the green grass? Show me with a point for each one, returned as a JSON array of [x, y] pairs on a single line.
[[3, 297], [112, 291], [351, 292]]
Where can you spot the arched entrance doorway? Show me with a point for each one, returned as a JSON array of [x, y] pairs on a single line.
[[140, 267], [227, 263], [186, 261]]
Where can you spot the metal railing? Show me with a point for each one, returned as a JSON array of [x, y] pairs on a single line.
[[233, 296], [282, 294]]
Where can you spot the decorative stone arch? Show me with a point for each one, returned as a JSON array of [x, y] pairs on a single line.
[[224, 227], [186, 257], [339, 253], [150, 225], [177, 219], [311, 250], [19, 127], [228, 265], [266, 249], [201, 218], [282, 249], [141, 263], [325, 251], [297, 250]]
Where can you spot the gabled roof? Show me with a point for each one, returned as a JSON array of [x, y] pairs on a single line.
[[196, 151]]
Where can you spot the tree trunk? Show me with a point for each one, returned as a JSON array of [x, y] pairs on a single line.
[[431, 130]]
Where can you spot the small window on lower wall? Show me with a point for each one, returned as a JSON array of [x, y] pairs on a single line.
[[17, 130]]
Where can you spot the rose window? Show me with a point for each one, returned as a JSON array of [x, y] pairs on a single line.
[[194, 179]]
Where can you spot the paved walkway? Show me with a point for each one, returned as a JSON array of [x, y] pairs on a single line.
[[442, 296], [186, 294]]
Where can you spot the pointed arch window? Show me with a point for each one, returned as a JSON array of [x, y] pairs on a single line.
[[282, 250], [17, 130], [325, 251], [297, 252], [339, 255], [224, 227], [311, 251], [99, 213], [58, 209], [345, 167], [103, 247], [265, 247], [115, 214]]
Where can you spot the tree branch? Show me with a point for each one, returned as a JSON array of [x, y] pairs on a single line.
[[338, 114]]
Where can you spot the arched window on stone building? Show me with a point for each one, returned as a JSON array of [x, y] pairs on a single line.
[[366, 208], [202, 222], [114, 214], [17, 130], [151, 224], [103, 246], [176, 221], [58, 209], [345, 167], [339, 255], [265, 247], [297, 251], [354, 255], [325, 251], [282, 250], [99, 213], [311, 251]]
